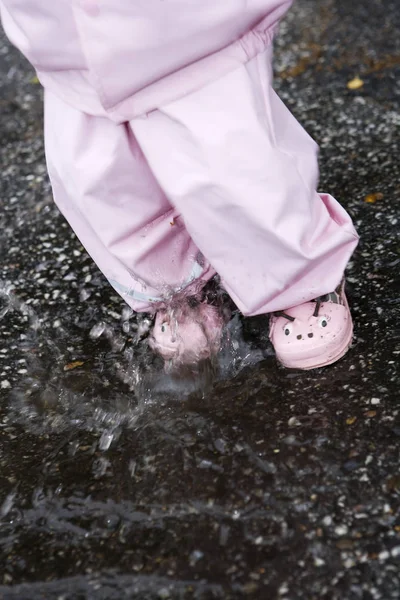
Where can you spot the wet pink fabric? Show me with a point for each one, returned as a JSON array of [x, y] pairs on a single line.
[[172, 157]]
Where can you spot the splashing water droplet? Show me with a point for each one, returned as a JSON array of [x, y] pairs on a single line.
[[143, 328], [84, 295], [127, 312], [7, 504], [97, 330], [106, 440], [195, 556], [4, 311]]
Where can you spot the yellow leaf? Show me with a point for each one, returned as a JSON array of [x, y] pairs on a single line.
[[370, 414], [351, 420], [355, 84], [35, 80], [73, 365], [372, 198]]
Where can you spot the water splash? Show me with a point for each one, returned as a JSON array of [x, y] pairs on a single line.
[[13, 303], [119, 383]]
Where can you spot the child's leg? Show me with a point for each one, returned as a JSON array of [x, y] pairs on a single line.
[[105, 189], [243, 173]]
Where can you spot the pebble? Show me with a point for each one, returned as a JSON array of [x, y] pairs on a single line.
[[341, 530]]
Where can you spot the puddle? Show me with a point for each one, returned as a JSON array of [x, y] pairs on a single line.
[[118, 382], [108, 436]]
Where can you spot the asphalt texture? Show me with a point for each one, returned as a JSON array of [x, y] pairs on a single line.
[[117, 482]]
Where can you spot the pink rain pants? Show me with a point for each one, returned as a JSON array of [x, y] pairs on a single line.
[[172, 157]]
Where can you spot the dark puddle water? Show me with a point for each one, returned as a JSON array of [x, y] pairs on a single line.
[[120, 481]]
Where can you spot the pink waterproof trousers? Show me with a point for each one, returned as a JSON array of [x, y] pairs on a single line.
[[172, 157]]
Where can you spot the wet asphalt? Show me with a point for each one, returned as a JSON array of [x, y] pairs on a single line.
[[117, 482]]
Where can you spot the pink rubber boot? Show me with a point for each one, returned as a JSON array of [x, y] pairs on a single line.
[[187, 335], [313, 334]]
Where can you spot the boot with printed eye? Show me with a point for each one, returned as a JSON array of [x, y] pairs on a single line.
[[313, 334], [185, 337]]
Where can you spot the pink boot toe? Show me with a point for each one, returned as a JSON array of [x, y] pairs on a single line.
[[314, 334], [187, 335]]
